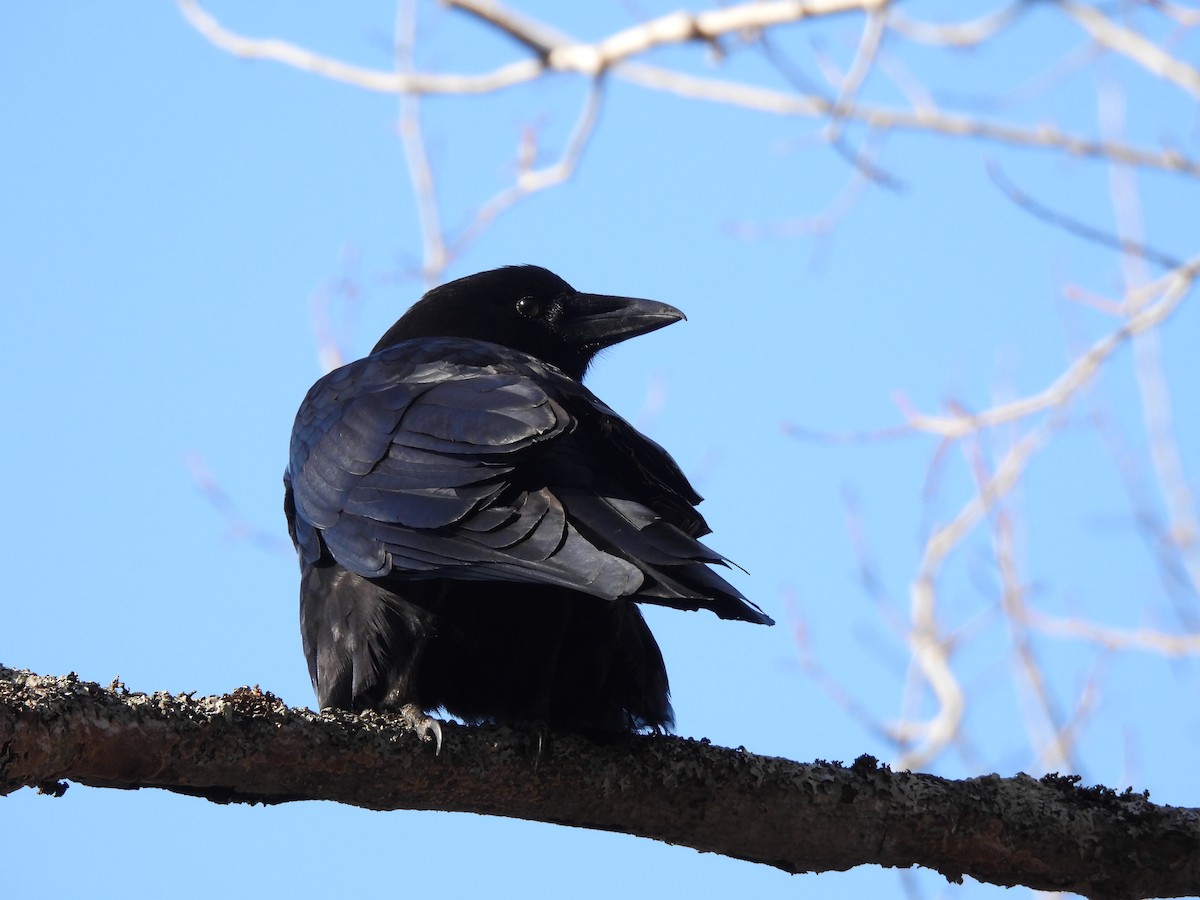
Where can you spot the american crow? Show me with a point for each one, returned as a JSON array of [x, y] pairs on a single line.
[[475, 527]]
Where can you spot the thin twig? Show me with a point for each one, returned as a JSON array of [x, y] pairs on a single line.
[[926, 119], [1133, 46], [931, 650], [537, 36], [1074, 226], [965, 34], [420, 172], [531, 180], [1173, 286], [1188, 18], [861, 161], [368, 79], [1148, 640], [1153, 387], [1056, 750]]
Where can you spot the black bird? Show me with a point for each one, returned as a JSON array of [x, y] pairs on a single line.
[[475, 527]]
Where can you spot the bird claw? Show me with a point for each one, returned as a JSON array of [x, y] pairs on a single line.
[[427, 729]]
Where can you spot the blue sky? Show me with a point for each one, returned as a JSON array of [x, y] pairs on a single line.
[[170, 212]]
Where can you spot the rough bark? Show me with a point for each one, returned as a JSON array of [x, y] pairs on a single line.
[[249, 747]]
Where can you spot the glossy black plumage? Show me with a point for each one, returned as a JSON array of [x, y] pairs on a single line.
[[475, 528]]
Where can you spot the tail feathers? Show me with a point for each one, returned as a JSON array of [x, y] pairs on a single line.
[[696, 586], [361, 645], [675, 564]]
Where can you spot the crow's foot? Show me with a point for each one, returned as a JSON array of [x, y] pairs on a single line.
[[427, 729]]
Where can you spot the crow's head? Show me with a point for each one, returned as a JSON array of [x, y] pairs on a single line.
[[532, 310]]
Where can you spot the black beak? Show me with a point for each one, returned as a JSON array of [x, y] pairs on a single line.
[[596, 321]]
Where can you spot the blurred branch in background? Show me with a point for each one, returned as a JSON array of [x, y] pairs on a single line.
[[744, 24], [238, 527]]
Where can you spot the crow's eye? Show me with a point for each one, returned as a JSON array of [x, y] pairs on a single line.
[[529, 308]]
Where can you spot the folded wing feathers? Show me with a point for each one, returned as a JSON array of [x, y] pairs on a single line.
[[420, 468]]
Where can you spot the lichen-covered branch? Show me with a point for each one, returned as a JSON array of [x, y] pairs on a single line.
[[250, 747]]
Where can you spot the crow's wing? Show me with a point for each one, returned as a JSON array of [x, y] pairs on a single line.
[[451, 458]]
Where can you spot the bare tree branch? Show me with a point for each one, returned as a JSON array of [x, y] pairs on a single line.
[[965, 34], [1153, 388], [1173, 286], [1132, 45], [929, 120], [1051, 733], [587, 59], [249, 747], [530, 178], [930, 648], [616, 51], [1074, 226], [535, 35], [420, 172], [369, 79], [1146, 639], [684, 27]]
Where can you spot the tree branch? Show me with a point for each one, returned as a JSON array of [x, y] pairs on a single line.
[[1134, 46], [618, 53], [1143, 315], [249, 747], [926, 119]]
